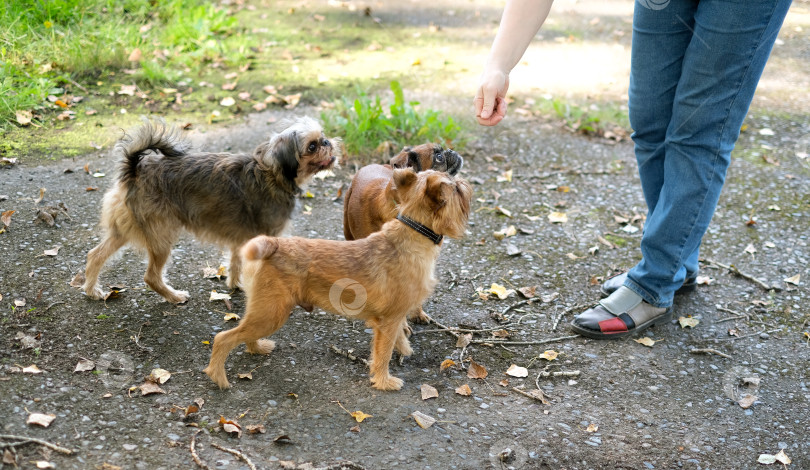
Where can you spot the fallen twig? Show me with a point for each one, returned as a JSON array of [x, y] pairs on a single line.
[[27, 440], [734, 270], [538, 395], [194, 455], [748, 336], [236, 453], [443, 327], [464, 330], [524, 343], [562, 314], [709, 351], [347, 354]]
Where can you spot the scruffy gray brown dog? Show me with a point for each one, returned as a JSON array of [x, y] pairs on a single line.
[[223, 198]]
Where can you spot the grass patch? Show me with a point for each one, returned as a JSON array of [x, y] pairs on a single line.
[[602, 120], [365, 125]]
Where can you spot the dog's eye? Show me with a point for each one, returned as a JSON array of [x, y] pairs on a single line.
[[439, 157], [312, 147]]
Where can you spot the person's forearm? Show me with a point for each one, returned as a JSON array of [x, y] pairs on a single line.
[[520, 22]]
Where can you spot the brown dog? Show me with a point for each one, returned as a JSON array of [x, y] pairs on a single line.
[[379, 279], [220, 197], [371, 200]]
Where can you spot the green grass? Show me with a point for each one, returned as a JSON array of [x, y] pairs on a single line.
[[48, 46], [364, 124], [593, 119]]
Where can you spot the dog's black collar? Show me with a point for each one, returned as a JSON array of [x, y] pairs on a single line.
[[430, 234]]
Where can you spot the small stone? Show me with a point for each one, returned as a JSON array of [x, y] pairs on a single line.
[[130, 447]]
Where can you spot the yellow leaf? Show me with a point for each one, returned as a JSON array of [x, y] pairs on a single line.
[[359, 416], [593, 427], [446, 364], [219, 296], [503, 211], [549, 355], [646, 341], [246, 375], [557, 218], [417, 61], [688, 321], [464, 390], [501, 291], [230, 316], [206, 342], [309, 195]]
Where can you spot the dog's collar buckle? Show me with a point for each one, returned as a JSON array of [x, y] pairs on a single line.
[[428, 233]]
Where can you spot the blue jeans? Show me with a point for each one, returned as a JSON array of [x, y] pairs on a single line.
[[694, 69]]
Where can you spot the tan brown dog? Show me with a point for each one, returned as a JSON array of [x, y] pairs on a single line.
[[379, 279], [371, 200], [222, 198]]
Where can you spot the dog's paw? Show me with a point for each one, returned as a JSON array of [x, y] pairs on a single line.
[[218, 376], [419, 316], [95, 292], [389, 382], [404, 350], [262, 346], [177, 297]]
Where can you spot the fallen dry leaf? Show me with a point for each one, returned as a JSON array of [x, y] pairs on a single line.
[[464, 390], [463, 340], [84, 365], [219, 296], [227, 101], [135, 55], [549, 355], [747, 401], [509, 231], [255, 429], [159, 376], [24, 117], [149, 388], [447, 363], [646, 341], [32, 369], [246, 376], [704, 280], [794, 279], [5, 217], [505, 177], [19, 302], [52, 252], [558, 218], [359, 416], [501, 291], [504, 211], [44, 464], [769, 459], [428, 392], [476, 371], [593, 427], [688, 321], [231, 316], [517, 371], [40, 419], [230, 426], [41, 196], [424, 421]]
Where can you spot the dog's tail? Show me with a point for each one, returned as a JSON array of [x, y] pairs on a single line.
[[149, 137], [261, 247]]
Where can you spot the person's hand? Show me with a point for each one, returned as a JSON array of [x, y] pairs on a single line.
[[490, 99]]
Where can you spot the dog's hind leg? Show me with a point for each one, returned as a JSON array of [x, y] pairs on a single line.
[[386, 334], [95, 261], [235, 268], [154, 275], [402, 345], [263, 317]]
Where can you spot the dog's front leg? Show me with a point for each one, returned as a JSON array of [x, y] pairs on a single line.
[[95, 261], [235, 268], [387, 333]]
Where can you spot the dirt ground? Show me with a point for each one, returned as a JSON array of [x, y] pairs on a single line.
[[617, 404]]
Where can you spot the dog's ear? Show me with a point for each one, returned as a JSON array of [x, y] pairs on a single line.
[[437, 191], [404, 178], [283, 154], [401, 159]]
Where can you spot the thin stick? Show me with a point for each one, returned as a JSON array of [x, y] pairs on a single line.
[[443, 327], [516, 304], [347, 354], [77, 84], [731, 318], [709, 351], [524, 343], [236, 453], [194, 455], [47, 444], [734, 270], [748, 336], [464, 330], [527, 394], [569, 309]]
